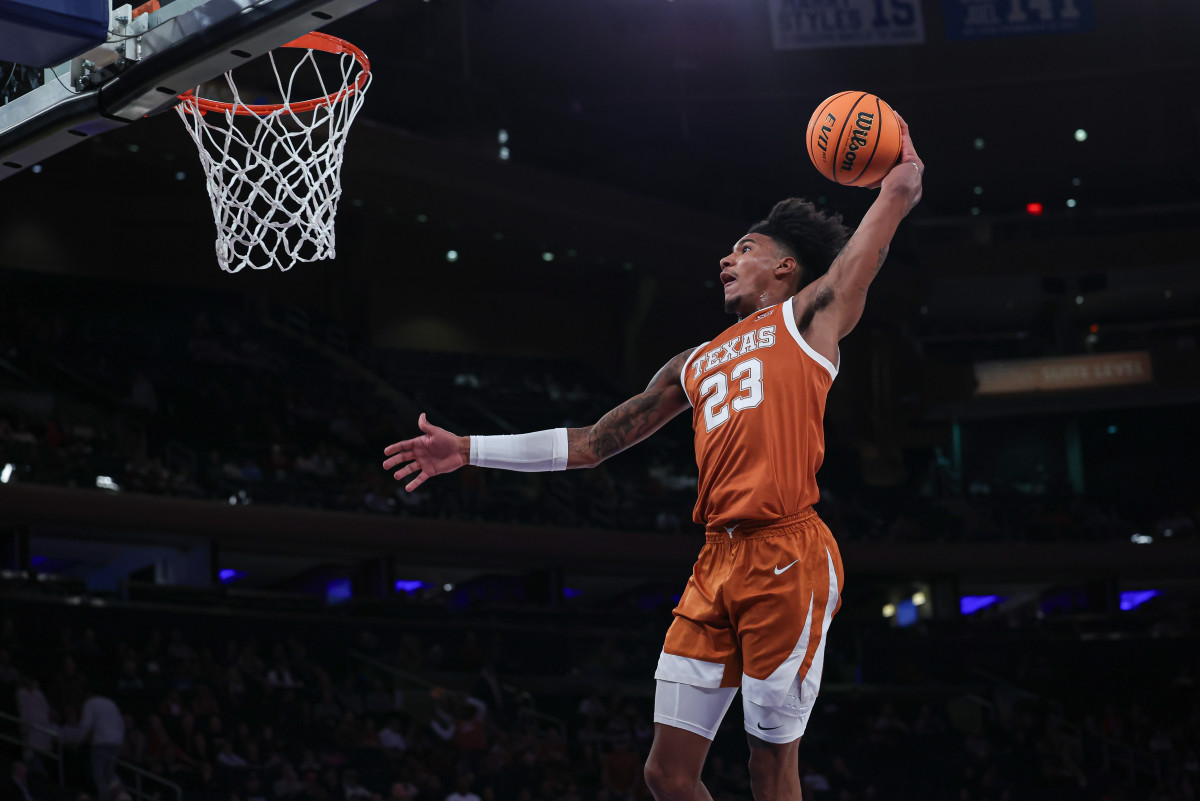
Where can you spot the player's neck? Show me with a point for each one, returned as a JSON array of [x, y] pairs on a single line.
[[764, 301]]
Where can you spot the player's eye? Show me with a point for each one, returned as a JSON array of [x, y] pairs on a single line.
[[745, 248]]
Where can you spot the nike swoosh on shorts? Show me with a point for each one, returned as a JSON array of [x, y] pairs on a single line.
[[779, 570]]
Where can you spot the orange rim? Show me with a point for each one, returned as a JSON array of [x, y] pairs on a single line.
[[309, 41]]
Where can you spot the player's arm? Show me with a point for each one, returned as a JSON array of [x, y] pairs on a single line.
[[439, 451], [841, 294]]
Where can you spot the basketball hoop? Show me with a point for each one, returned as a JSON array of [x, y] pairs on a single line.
[[274, 170]]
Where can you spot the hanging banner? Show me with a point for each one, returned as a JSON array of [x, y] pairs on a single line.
[[982, 19], [812, 24], [1071, 372]]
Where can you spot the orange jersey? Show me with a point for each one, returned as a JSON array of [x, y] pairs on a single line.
[[758, 402]]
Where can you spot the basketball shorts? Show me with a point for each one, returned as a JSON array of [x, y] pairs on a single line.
[[755, 614]]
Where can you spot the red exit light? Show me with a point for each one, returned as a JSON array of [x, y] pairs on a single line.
[[1033, 208]]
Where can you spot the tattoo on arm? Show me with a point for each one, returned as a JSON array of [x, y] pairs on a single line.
[[632, 421], [883, 251]]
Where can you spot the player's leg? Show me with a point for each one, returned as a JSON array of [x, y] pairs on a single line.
[[700, 653], [686, 719], [783, 652], [774, 765]]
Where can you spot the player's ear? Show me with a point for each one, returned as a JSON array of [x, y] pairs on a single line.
[[786, 268]]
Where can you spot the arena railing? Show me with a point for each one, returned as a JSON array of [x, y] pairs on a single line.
[[141, 775], [21, 739]]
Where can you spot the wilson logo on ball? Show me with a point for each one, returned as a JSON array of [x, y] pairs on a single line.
[[858, 138]]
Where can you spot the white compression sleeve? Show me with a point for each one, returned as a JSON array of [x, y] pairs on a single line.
[[528, 453]]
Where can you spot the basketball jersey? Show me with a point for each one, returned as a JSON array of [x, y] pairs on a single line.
[[758, 402]]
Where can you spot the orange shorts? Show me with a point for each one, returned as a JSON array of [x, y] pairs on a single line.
[[756, 611]]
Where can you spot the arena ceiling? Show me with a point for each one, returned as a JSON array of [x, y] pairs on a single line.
[[646, 133], [688, 100]]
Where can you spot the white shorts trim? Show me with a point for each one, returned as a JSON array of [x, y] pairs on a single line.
[[782, 690], [772, 725], [685, 670], [789, 321], [699, 710]]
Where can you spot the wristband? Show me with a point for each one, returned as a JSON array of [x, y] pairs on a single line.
[[538, 452]]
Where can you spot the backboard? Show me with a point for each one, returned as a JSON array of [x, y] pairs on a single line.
[[152, 54]]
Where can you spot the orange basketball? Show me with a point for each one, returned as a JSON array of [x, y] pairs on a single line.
[[854, 138]]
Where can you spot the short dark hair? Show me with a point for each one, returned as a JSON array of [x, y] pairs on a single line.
[[809, 235]]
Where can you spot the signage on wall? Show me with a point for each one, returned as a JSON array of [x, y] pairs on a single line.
[[813, 24], [982, 19], [1065, 373]]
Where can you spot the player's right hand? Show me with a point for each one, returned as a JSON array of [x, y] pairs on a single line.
[[436, 451]]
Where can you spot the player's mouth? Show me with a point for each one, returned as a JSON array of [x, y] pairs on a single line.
[[727, 279]]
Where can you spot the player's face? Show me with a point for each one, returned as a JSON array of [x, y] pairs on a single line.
[[748, 274]]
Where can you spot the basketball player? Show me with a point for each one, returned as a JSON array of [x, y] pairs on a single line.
[[768, 580]]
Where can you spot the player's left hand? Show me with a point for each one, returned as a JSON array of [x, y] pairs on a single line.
[[909, 168]]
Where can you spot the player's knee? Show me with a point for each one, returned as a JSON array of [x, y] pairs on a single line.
[[667, 784]]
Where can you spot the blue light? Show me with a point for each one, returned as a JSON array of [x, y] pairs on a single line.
[[569, 592], [1135, 598], [906, 613], [338, 590], [405, 585], [229, 574], [1112, 429], [36, 560], [970, 604]]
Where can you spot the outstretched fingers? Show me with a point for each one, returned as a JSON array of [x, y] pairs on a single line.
[[404, 454], [416, 482], [408, 469], [396, 447]]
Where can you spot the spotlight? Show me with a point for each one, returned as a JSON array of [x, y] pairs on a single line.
[[1080, 135]]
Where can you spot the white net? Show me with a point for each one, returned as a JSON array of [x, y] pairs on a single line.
[[274, 173]]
